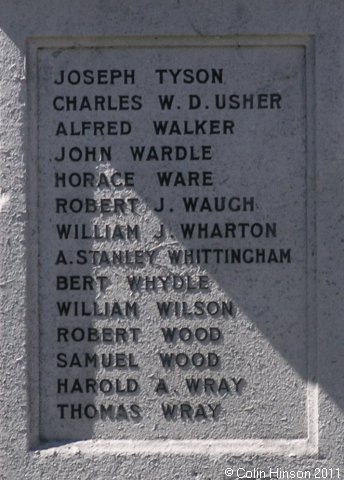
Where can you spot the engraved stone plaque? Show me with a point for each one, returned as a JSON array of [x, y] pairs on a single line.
[[174, 211]]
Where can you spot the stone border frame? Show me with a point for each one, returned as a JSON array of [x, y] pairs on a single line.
[[304, 446]]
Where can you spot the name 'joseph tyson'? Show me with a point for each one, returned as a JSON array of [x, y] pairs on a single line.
[[128, 76]]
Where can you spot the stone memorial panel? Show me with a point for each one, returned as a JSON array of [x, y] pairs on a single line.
[[171, 248], [173, 200]]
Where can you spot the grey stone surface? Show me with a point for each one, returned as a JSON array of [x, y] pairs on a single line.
[[279, 354], [256, 242]]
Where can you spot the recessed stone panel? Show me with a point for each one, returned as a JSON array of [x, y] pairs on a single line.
[[173, 207]]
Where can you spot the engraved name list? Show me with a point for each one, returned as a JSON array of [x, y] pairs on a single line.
[[172, 242]]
